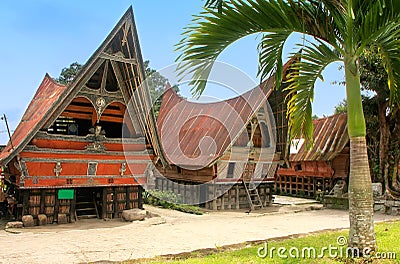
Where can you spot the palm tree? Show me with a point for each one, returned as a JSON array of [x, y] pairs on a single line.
[[334, 30]]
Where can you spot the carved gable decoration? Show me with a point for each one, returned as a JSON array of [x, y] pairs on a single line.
[[101, 92]]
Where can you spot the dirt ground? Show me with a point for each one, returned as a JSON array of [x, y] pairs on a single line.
[[171, 233]]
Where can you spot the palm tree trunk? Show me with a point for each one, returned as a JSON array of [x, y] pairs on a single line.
[[361, 199]]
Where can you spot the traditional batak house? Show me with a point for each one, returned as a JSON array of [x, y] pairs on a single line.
[[221, 155], [74, 154], [318, 169]]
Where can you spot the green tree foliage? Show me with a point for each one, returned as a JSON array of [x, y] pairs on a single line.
[[156, 81], [383, 144], [157, 84], [315, 117], [373, 74], [341, 107], [370, 107], [68, 73]]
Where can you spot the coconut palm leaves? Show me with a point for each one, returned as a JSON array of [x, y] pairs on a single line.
[[326, 21], [216, 4], [211, 32], [314, 58]]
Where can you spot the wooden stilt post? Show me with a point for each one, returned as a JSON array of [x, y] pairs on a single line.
[[73, 216], [237, 196], [140, 198], [104, 204]]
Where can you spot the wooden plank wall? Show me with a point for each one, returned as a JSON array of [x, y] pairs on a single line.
[[341, 166], [44, 201], [228, 196], [236, 198], [308, 178], [189, 193], [180, 174], [118, 199]]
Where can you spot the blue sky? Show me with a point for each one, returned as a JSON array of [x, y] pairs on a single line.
[[45, 36]]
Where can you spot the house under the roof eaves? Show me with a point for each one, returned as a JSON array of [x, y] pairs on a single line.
[[315, 171], [75, 153], [222, 155]]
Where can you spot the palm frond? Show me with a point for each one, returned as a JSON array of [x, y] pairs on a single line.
[[381, 28], [323, 19], [390, 53], [215, 4], [211, 32], [376, 18], [314, 58], [270, 55]]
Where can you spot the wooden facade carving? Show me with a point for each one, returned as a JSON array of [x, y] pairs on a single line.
[[58, 169], [122, 170], [92, 169], [21, 167], [35, 180], [118, 57]]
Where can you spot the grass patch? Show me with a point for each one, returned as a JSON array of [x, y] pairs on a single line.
[[169, 200], [387, 233]]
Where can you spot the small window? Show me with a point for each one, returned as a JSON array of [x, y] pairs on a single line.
[[298, 167], [231, 170], [266, 140]]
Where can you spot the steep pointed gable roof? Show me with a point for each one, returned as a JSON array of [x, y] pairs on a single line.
[[122, 49]]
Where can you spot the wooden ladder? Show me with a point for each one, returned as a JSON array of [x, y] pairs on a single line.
[[86, 207], [252, 196]]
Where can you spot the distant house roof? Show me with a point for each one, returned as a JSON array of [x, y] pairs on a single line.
[[198, 134], [40, 107], [330, 137]]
